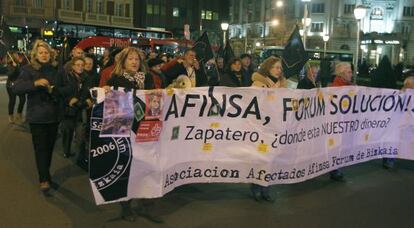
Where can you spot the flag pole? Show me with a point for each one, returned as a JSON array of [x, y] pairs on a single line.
[[25, 56], [11, 58], [218, 74]]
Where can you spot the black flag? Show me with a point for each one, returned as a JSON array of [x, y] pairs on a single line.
[[227, 53], [202, 48], [6, 38], [294, 55]]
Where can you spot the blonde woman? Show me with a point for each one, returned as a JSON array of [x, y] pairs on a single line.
[[269, 75], [43, 85], [130, 74], [129, 71]]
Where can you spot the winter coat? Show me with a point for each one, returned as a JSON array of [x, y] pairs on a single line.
[[12, 74], [230, 79], [247, 75], [339, 81], [173, 69], [105, 75], [306, 83], [159, 79], [260, 80], [42, 106]]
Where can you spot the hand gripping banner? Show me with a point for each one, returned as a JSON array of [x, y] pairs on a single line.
[[243, 135]]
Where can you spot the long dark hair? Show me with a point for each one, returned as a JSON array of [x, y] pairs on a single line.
[[231, 62]]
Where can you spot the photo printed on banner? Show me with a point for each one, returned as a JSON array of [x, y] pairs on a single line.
[[118, 114], [154, 103]]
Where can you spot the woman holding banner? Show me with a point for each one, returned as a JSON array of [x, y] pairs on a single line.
[[129, 73], [343, 72], [44, 85], [269, 75]]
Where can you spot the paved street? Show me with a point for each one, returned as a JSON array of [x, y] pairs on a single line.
[[370, 197]]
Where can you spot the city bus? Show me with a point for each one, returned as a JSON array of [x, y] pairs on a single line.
[[58, 29], [314, 54], [168, 45], [62, 35]]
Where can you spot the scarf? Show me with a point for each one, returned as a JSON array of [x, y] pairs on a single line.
[[137, 79]]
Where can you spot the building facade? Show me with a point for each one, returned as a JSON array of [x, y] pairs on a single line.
[[386, 29], [31, 18], [172, 15], [257, 23], [34, 13]]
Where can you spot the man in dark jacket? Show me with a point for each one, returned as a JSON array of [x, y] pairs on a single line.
[[186, 65]]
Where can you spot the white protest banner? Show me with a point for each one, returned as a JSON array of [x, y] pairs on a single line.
[[246, 135]]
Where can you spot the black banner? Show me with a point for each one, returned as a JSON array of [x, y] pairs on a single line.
[[110, 160]]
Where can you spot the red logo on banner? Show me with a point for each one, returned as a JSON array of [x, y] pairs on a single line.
[[149, 131]]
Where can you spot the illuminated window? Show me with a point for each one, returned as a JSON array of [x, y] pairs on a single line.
[[176, 12], [149, 9], [209, 15], [203, 14], [376, 15], [317, 27]]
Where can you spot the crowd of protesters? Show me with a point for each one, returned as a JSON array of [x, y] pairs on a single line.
[[58, 94]]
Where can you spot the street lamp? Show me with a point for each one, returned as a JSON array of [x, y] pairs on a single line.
[[279, 4], [224, 27], [325, 40], [359, 13], [305, 19], [275, 22]]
